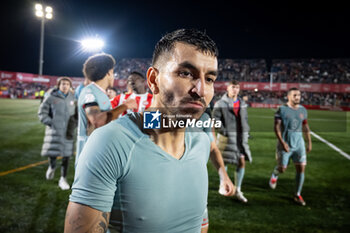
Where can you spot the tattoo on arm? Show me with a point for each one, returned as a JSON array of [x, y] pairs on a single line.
[[88, 220]]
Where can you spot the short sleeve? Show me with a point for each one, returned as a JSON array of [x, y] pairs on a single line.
[[100, 166], [278, 114]]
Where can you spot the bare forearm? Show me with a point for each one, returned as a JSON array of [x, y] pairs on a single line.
[[307, 135], [278, 134], [116, 112], [218, 162], [80, 218]]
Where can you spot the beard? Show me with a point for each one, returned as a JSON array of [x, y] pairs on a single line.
[[295, 102], [181, 113]]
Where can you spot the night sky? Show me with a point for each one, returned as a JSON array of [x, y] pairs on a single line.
[[242, 30]]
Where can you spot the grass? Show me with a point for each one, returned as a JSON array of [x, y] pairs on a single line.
[[29, 203]]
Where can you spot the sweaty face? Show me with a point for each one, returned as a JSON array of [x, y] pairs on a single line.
[[186, 80], [64, 86], [233, 90], [294, 97]]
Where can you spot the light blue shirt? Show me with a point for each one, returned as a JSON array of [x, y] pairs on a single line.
[[156, 192], [291, 128], [91, 94]]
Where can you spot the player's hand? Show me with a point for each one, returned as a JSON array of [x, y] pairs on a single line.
[[285, 147], [308, 148], [227, 188], [131, 104]]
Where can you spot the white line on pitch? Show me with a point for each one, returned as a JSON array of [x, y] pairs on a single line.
[[331, 145]]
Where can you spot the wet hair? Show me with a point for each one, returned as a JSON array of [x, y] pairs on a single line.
[[97, 66], [199, 39]]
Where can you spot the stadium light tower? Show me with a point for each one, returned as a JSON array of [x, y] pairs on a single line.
[[92, 44], [47, 14]]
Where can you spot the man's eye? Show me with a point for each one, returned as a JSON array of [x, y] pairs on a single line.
[[185, 74], [210, 80]]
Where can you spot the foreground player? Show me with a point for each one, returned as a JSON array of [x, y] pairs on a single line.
[[94, 107], [233, 136], [290, 123], [136, 90], [161, 174]]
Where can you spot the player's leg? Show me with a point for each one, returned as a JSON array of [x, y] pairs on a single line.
[[300, 164], [50, 172], [282, 164], [205, 223], [62, 183], [239, 175]]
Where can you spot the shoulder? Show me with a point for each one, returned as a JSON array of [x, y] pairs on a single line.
[[87, 95], [219, 103], [112, 139], [200, 141], [242, 103], [205, 116], [302, 108]]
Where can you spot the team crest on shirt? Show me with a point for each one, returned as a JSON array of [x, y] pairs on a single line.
[[301, 116], [145, 103]]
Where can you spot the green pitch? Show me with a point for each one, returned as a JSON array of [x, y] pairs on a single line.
[[30, 203]]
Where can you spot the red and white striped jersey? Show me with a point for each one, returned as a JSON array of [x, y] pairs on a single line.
[[143, 101]]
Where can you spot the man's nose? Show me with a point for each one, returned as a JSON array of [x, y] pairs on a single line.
[[199, 87]]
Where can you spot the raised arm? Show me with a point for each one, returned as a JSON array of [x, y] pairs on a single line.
[[82, 218]]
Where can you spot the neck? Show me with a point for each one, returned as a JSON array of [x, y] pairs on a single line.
[[292, 105], [103, 83], [234, 97], [171, 141]]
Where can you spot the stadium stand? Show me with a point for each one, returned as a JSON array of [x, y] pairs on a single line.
[[324, 82]]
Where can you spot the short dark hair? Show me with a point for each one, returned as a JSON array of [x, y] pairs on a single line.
[[292, 89], [97, 66], [112, 88], [234, 82], [194, 37], [138, 74]]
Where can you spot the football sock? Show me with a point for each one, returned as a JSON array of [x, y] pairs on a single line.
[[299, 177], [239, 177], [275, 172], [64, 167], [52, 162]]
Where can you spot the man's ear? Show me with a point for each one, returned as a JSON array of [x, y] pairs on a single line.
[[111, 72], [152, 74]]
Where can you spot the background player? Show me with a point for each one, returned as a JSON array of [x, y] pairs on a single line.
[[136, 90], [94, 107], [290, 124]]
